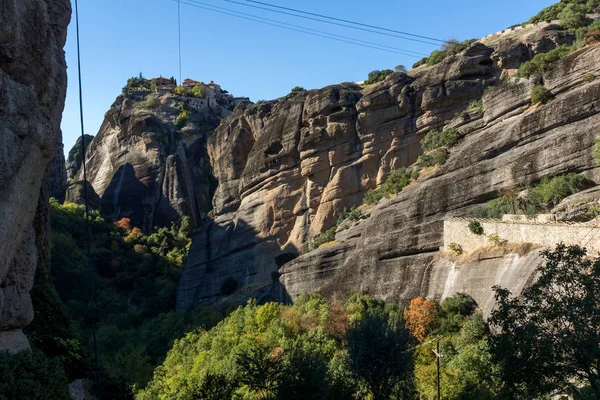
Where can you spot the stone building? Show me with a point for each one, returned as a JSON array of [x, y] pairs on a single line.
[[164, 89]]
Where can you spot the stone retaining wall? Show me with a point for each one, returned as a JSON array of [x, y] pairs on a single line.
[[456, 230]]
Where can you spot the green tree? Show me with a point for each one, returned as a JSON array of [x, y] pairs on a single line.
[[379, 348], [549, 336], [261, 369], [214, 387], [298, 89], [574, 16], [400, 68], [31, 375]]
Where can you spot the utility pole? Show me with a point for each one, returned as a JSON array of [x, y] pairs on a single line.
[[438, 355], [437, 345]]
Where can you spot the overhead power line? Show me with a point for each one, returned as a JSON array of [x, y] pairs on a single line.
[[179, 31], [338, 24], [87, 207], [345, 20], [309, 31]]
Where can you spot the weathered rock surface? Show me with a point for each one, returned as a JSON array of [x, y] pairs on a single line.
[[514, 145], [74, 157], [32, 93], [287, 168], [147, 169], [58, 174], [76, 194], [582, 206]]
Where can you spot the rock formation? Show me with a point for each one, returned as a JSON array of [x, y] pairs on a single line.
[[58, 174], [144, 167], [73, 162], [287, 168], [76, 194], [32, 93]]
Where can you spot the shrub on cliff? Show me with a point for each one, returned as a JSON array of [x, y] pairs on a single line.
[[433, 158], [377, 76], [397, 181], [298, 89], [435, 139], [198, 92], [182, 119], [540, 61], [476, 228], [449, 48], [550, 192], [539, 94], [323, 237], [554, 11], [574, 16], [353, 214]]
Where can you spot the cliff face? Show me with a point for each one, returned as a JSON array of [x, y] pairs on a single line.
[[513, 144], [32, 93], [142, 166], [58, 174], [74, 158], [287, 168]]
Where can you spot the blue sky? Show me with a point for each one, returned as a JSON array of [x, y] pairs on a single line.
[[121, 38]]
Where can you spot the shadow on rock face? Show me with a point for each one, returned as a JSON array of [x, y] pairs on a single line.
[[222, 254], [127, 196]]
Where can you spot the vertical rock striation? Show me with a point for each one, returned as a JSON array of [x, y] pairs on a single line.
[[32, 93], [287, 168], [146, 168]]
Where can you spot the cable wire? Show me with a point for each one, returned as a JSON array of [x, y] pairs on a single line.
[[308, 31], [87, 208], [179, 30], [345, 20], [333, 23]]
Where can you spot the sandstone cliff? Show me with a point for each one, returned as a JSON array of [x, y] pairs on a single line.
[[58, 174], [32, 93], [287, 168], [73, 162], [144, 167]]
